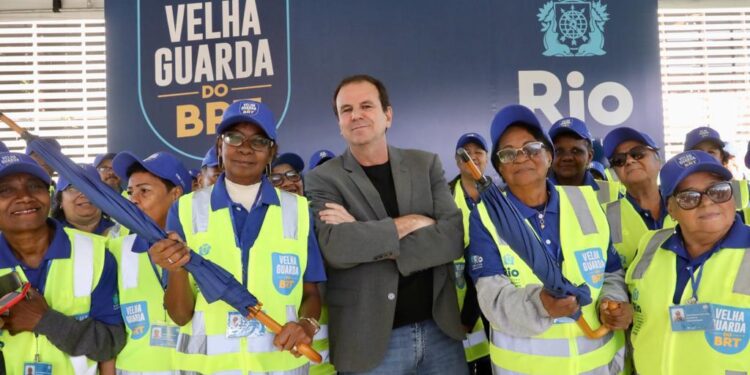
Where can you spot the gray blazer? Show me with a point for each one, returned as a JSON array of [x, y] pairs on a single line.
[[362, 273]]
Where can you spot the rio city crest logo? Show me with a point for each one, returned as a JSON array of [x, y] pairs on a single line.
[[573, 27]]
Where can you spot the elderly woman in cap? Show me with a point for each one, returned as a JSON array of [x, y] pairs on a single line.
[[706, 139], [74, 210], [261, 235], [153, 185], [286, 173], [70, 320], [466, 195], [531, 331], [634, 157], [691, 285]]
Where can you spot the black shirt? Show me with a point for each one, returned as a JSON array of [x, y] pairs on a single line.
[[414, 297]]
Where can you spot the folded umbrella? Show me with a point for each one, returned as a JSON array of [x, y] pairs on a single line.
[[214, 282], [514, 230]]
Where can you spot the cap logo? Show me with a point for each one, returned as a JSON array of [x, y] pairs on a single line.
[[565, 122], [9, 159], [152, 157], [249, 108], [685, 161], [322, 154], [704, 133]]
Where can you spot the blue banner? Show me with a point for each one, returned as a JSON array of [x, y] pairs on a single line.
[[173, 66]]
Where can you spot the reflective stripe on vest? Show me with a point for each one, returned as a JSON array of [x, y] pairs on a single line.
[[125, 372], [649, 251], [742, 282], [129, 263], [603, 193], [585, 220], [552, 347], [603, 370], [614, 217], [83, 279], [737, 194]]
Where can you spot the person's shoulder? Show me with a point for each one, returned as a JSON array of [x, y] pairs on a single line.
[[416, 155], [329, 168]]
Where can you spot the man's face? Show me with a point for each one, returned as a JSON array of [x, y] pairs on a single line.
[[107, 174], [572, 157], [24, 202], [362, 119]]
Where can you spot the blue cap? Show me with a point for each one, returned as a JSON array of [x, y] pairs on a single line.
[[516, 114], [596, 144], [471, 138], [319, 157], [703, 133], [102, 157], [12, 163], [682, 165], [88, 170], [570, 125], [161, 164], [599, 167], [50, 141], [3, 147], [194, 173], [622, 134], [248, 111], [290, 158], [211, 159]]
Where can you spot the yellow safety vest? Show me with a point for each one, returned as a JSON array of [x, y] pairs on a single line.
[[741, 194], [476, 344], [609, 191], [277, 262], [627, 227], [147, 323], [611, 175], [563, 348], [725, 283], [68, 289]]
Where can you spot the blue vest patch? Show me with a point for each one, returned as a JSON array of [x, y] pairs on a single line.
[[286, 272], [591, 263], [136, 317], [729, 334]]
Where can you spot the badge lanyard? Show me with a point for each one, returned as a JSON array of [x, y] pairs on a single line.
[[694, 282], [41, 287], [161, 277]]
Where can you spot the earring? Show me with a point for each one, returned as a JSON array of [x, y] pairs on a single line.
[[268, 169]]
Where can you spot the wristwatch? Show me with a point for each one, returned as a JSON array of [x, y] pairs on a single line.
[[312, 322]]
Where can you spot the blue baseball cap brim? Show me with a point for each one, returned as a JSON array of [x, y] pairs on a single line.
[[294, 160], [623, 134], [194, 173], [14, 163], [250, 112], [161, 164], [570, 125], [211, 159], [599, 167], [3, 147], [319, 157], [516, 114], [682, 165], [702, 134], [88, 170], [472, 138]]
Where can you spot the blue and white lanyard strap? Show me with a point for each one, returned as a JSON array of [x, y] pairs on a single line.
[[695, 280]]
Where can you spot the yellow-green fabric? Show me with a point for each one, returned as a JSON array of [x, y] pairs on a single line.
[[142, 305], [563, 348], [627, 227], [68, 289], [611, 175], [320, 344], [475, 344], [609, 191], [741, 194], [204, 346], [725, 283]]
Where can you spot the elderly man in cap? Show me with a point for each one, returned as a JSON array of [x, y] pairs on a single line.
[[103, 165], [286, 173], [574, 153], [708, 140], [71, 319], [635, 158]]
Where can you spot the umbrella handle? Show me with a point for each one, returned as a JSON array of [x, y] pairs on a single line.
[[603, 329], [13, 125], [256, 313], [482, 181]]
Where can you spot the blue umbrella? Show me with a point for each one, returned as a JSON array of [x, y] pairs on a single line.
[[214, 282], [512, 228]]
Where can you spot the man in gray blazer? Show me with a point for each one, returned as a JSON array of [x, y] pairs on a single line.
[[389, 231]]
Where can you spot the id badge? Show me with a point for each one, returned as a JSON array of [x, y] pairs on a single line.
[[164, 335], [693, 317], [238, 326], [37, 368]]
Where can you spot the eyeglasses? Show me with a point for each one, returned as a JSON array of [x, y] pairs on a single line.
[[278, 178], [509, 155], [237, 139], [690, 199], [104, 169], [637, 153]]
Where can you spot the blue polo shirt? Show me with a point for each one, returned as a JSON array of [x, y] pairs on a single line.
[[105, 305], [648, 219], [738, 237], [484, 257], [588, 180], [103, 224], [247, 223]]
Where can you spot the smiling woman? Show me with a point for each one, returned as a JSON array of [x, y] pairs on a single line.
[[74, 210]]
